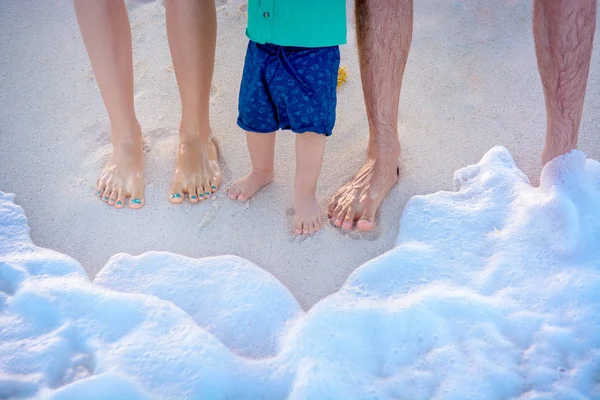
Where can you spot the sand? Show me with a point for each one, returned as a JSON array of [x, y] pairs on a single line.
[[471, 83]]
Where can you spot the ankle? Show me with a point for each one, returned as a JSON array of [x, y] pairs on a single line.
[[384, 154], [194, 130], [127, 136], [385, 146], [305, 189], [558, 141], [263, 172]]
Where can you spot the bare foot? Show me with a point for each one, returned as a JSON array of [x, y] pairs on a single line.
[[247, 186], [123, 175], [307, 217], [359, 199], [552, 151], [197, 171]]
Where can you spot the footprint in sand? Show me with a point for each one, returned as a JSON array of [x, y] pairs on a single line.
[[92, 166]]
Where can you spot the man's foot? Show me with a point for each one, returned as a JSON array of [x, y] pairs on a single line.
[[552, 151], [123, 176], [307, 217], [197, 171], [359, 199], [246, 187]]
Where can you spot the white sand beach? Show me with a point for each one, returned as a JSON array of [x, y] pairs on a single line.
[[471, 83]]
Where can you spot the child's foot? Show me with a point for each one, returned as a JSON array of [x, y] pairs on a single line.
[[197, 171], [247, 186], [307, 219], [123, 175]]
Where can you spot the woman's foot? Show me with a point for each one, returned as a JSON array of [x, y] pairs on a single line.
[[246, 187], [197, 171], [123, 176]]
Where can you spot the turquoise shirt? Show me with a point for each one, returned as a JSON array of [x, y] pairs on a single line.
[[303, 23]]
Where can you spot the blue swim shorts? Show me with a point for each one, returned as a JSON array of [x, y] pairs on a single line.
[[286, 87]]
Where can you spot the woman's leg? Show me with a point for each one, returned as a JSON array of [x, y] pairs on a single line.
[[192, 32], [106, 33]]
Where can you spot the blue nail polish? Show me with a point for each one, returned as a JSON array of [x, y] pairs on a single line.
[[194, 197], [98, 192], [119, 203], [214, 187], [136, 201], [207, 193], [175, 196], [201, 195], [106, 198]]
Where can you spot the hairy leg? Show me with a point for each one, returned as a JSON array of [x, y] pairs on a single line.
[[564, 32], [384, 34]]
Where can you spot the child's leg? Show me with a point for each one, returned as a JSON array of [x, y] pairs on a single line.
[[262, 154], [106, 33], [310, 148]]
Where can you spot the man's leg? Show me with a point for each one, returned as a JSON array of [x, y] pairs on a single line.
[[106, 33], [384, 33], [192, 32], [563, 31]]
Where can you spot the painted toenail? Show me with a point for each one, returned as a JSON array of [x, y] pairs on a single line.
[[106, 198], [136, 201], [175, 195], [201, 195], [207, 193], [194, 197], [98, 192], [214, 187], [119, 203]]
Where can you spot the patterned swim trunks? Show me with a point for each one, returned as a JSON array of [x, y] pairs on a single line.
[[291, 88]]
